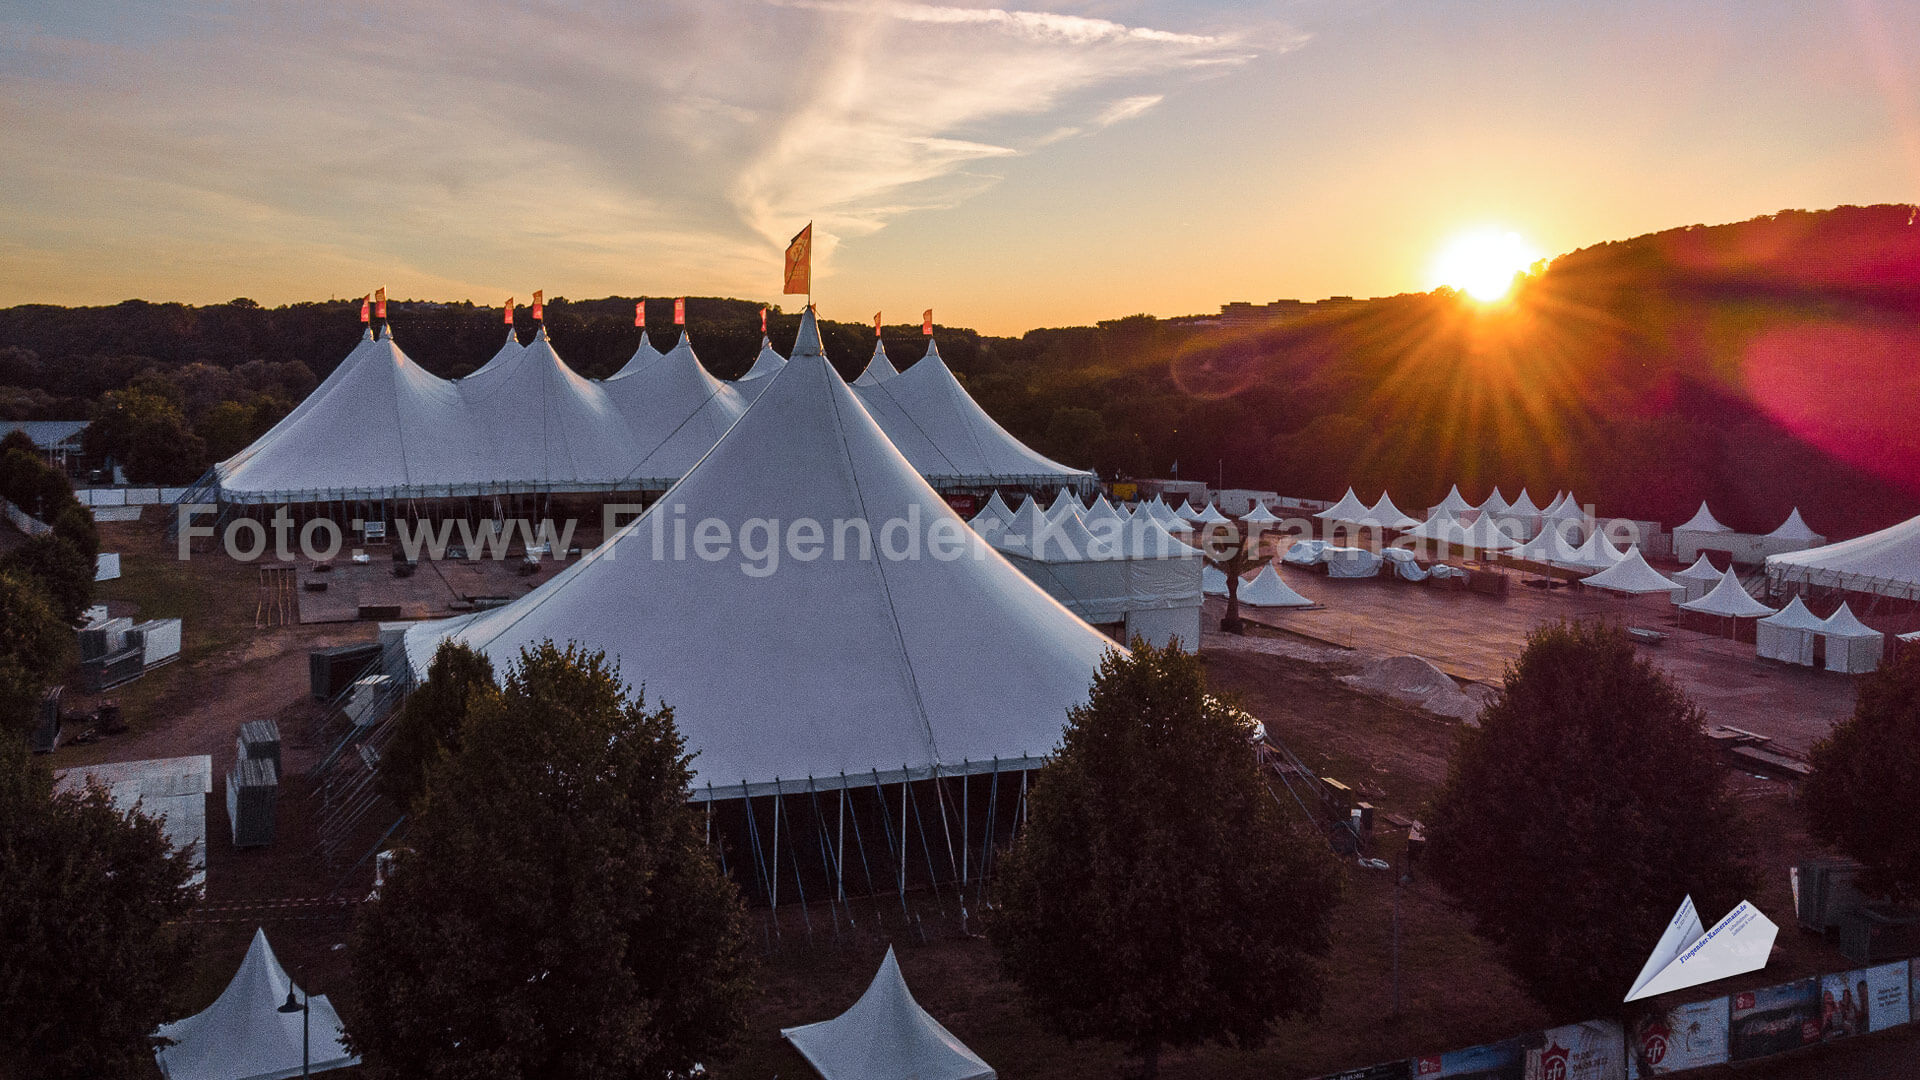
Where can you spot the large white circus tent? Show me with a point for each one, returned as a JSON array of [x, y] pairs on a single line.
[[510, 349], [948, 437], [545, 425], [1886, 562], [345, 371], [864, 670], [767, 362], [879, 369], [677, 411]]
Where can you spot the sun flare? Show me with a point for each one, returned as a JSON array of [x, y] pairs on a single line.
[[1483, 263]]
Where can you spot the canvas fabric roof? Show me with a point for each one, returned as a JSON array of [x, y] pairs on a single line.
[[541, 423], [1552, 547], [1795, 528], [1729, 599], [244, 1036], [1702, 521], [1108, 571], [1632, 575], [340, 373], [1885, 562], [677, 411], [1523, 506], [879, 369], [1852, 646], [1482, 535], [768, 674], [1455, 503], [766, 363], [1269, 590], [1844, 623], [509, 349], [1260, 515], [1788, 634], [886, 1035], [644, 356], [1701, 570], [1211, 515], [949, 438], [1598, 551], [1349, 508], [1495, 503], [1386, 515]]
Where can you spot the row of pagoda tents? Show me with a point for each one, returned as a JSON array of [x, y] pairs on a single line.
[[380, 427], [909, 692]]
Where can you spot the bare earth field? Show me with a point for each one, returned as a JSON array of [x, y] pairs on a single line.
[[1452, 992]]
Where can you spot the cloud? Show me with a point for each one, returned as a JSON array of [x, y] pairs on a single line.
[[589, 146]]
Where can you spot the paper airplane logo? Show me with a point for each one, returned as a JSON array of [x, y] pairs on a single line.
[[1688, 956]]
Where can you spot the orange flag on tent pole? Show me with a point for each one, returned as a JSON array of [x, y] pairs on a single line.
[[380, 302], [926, 323], [508, 308], [640, 313], [876, 324], [763, 321], [539, 304], [366, 306], [799, 277], [680, 311]]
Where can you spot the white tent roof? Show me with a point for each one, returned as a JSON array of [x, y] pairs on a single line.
[[1845, 624], [1523, 505], [1886, 562], [949, 438], [644, 356], [543, 423], [509, 349], [1559, 499], [1564, 508], [1795, 616], [879, 369], [1729, 598], [244, 1036], [1349, 508], [863, 667], [1794, 528], [1027, 522], [1386, 515], [350, 364], [677, 411], [886, 1036], [1495, 503], [1455, 503], [1482, 535], [996, 506], [1598, 551], [1211, 516], [765, 364], [1702, 521], [1185, 512], [1102, 510], [1632, 575], [1260, 515], [1551, 547], [1701, 570], [1065, 503], [1213, 581], [1268, 589]]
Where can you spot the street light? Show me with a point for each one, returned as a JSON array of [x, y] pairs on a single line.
[[304, 1008]]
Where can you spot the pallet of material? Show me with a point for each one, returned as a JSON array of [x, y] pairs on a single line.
[[114, 669], [160, 638], [253, 789], [1770, 763]]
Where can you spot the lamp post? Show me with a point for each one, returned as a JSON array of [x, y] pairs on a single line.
[[305, 1009]]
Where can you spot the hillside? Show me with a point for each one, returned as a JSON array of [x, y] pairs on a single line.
[[1767, 364]]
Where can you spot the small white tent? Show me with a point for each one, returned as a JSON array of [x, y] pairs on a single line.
[[886, 1036], [1454, 505], [1699, 578], [1702, 521], [1213, 581], [1851, 644], [1268, 590], [1260, 515], [1729, 600], [1795, 529], [1495, 503], [244, 1036], [1349, 508], [1211, 516], [1788, 635], [1383, 514], [1633, 576], [508, 350]]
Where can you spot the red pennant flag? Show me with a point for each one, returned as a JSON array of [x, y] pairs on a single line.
[[640, 313], [508, 308], [799, 277], [380, 302], [926, 323], [366, 306], [876, 324], [763, 320], [539, 304], [680, 311]]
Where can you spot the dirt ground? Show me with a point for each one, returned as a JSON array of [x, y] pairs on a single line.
[[1452, 992]]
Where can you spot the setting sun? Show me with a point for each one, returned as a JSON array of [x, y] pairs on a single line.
[[1482, 263]]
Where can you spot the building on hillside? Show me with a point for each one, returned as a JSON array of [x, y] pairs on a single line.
[[59, 441]]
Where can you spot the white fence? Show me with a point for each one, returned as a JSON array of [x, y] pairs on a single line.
[[128, 496]]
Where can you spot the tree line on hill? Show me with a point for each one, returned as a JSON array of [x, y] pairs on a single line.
[[1759, 365]]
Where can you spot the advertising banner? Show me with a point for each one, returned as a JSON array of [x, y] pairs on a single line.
[[1494, 1061], [1867, 1000], [1595, 1050], [1773, 1020], [1386, 1070], [1677, 1038]]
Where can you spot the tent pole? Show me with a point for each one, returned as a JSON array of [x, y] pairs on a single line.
[[986, 837], [926, 849], [776, 842], [966, 821], [840, 844]]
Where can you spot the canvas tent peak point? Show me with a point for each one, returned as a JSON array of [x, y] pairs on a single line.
[[886, 1035]]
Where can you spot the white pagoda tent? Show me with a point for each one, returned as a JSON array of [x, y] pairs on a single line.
[[1454, 505], [1134, 575], [1065, 504], [1795, 530], [1269, 590], [1789, 634], [949, 438], [1552, 548], [1632, 575], [644, 356], [1598, 552], [1727, 606], [1702, 521], [1482, 535], [886, 1036], [1852, 645], [1211, 515], [244, 1036], [1699, 578], [851, 668], [879, 369], [1886, 563], [996, 507], [1495, 503], [1260, 515], [1348, 509]]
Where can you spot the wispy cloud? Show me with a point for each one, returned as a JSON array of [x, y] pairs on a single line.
[[655, 147]]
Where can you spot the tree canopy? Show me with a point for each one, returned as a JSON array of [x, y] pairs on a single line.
[[556, 913], [1158, 896], [36, 645], [1864, 795], [428, 727], [95, 955], [1573, 820]]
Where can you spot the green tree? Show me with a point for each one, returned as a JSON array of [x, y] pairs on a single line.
[[35, 647], [428, 727], [226, 427], [1864, 794], [96, 954], [1167, 905], [17, 440], [1586, 804], [144, 429], [603, 940], [63, 570], [1073, 433]]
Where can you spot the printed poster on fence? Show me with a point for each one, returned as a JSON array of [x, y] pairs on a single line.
[[1495, 1061], [1773, 1020], [1595, 1050], [1863, 1001], [1678, 1038]]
